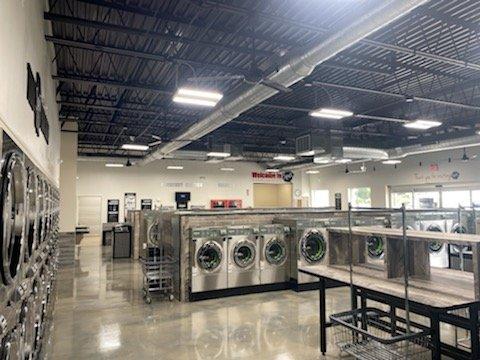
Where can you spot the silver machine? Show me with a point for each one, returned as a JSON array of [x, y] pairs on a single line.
[[151, 233], [29, 205], [208, 249], [243, 257], [274, 254]]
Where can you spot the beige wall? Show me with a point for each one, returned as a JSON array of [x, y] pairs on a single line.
[[68, 180], [22, 40], [409, 172], [272, 195], [153, 181]]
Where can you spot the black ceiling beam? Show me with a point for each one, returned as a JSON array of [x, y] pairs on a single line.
[[192, 23], [111, 83], [149, 34], [140, 54]]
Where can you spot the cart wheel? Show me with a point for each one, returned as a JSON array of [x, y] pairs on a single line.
[[171, 297], [148, 300]]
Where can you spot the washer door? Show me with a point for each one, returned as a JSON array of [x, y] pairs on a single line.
[[12, 203], [153, 233], [313, 247], [32, 218], [459, 229], [434, 247], [209, 256], [375, 247], [244, 254], [276, 252]]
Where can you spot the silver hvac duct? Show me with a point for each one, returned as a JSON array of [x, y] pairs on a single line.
[[292, 71]]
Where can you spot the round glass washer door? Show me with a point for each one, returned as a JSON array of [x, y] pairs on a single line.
[[434, 246], [375, 247], [32, 219], [313, 247], [209, 256], [153, 234], [276, 252], [12, 203], [459, 229], [244, 254]]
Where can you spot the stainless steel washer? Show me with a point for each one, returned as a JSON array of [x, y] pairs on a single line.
[[208, 251], [243, 257], [274, 259], [312, 250]]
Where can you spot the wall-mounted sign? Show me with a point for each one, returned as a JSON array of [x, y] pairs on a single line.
[[130, 203], [266, 175], [35, 100], [146, 204]]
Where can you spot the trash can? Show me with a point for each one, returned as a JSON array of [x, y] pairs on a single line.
[[122, 241]]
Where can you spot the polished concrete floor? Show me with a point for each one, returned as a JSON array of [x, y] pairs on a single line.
[[100, 314]]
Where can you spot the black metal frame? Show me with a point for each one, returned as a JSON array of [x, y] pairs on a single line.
[[435, 314]]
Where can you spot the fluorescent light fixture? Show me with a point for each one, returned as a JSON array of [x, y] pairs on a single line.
[[392, 162], [284, 158], [137, 147], [422, 124], [219, 154], [312, 172], [227, 169], [272, 171], [114, 165], [321, 160], [330, 113], [478, 132], [197, 97], [174, 167], [343, 161]]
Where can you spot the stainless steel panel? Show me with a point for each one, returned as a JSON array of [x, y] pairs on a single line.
[[274, 275], [209, 282], [243, 278]]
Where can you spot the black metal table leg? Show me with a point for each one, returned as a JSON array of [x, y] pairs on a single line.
[[435, 329], [474, 333], [323, 325]]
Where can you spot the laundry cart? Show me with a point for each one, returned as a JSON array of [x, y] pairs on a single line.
[[158, 273]]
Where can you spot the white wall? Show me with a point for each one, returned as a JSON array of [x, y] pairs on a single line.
[[154, 181], [68, 179], [22, 41], [409, 172]]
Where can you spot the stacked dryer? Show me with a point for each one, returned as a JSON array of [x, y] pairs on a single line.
[[29, 205]]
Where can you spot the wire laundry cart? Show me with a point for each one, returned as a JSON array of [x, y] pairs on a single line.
[[158, 271]]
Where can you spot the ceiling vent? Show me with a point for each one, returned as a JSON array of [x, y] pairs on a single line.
[[319, 144]]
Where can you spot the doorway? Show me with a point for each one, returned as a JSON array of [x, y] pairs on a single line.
[[272, 195], [90, 213]]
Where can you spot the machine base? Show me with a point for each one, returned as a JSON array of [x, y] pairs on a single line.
[[214, 294], [313, 285]]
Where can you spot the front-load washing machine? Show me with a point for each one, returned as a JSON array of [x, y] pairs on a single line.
[[461, 256], [243, 257], [208, 249], [438, 251], [274, 259]]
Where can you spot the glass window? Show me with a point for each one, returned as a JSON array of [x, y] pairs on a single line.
[[426, 200], [455, 198], [399, 198], [476, 198], [320, 198], [360, 196]]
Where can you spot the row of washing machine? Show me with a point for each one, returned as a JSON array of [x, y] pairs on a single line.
[[29, 205], [242, 256]]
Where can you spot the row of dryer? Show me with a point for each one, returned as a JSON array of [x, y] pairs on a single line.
[[240, 256], [29, 206]]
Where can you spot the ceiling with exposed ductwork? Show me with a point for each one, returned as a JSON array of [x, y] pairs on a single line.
[[119, 62]]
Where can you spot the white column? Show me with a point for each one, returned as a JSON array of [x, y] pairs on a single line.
[[68, 178]]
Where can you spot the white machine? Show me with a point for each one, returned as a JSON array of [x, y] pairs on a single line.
[[208, 259], [438, 251], [274, 259], [243, 257]]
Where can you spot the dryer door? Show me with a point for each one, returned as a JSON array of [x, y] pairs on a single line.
[[276, 252], [313, 247], [244, 254], [434, 247], [12, 203], [209, 257]]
